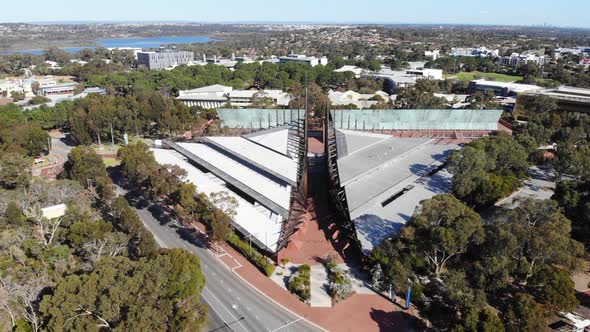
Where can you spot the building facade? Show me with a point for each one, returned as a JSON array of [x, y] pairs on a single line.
[[164, 59], [309, 60], [516, 59]]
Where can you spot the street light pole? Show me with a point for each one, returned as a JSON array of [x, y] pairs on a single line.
[[409, 294]]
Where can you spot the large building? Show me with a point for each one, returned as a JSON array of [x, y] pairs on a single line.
[[383, 163], [163, 59], [262, 170], [503, 89], [211, 96], [474, 51], [569, 98], [215, 96], [308, 60], [516, 59], [65, 89]]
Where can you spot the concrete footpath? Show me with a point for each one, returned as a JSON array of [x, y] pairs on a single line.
[[360, 312]]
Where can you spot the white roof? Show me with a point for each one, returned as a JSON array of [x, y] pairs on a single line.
[[212, 96], [353, 69], [269, 159], [55, 211], [247, 176], [276, 140], [243, 93], [248, 217], [216, 88], [516, 87]]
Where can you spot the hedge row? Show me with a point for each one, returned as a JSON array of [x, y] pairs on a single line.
[[255, 257]]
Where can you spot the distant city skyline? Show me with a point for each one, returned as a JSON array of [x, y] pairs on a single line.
[[500, 12]]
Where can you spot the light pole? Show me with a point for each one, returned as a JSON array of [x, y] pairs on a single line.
[[409, 294], [392, 293]]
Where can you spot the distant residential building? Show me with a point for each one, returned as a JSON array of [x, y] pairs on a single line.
[[78, 61], [52, 64], [7, 87], [471, 51], [501, 88], [432, 55], [299, 58], [573, 50], [516, 59], [164, 59]]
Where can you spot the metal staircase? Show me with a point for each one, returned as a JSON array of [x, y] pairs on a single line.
[[296, 147]]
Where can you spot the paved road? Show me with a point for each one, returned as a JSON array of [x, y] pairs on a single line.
[[59, 149], [234, 306]]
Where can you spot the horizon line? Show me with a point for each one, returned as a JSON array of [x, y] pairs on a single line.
[[262, 22]]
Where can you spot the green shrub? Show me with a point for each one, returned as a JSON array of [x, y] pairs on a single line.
[[251, 254], [300, 282]]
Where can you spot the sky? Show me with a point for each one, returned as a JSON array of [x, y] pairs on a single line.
[[570, 13]]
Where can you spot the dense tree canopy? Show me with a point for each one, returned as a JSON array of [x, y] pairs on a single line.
[[84, 164], [488, 169], [168, 286]]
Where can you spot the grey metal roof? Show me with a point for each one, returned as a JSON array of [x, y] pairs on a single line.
[[269, 204]]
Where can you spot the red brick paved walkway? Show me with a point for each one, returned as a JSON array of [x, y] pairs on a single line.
[[358, 313]]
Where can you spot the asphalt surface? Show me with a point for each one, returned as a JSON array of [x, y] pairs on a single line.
[[59, 149], [233, 304]]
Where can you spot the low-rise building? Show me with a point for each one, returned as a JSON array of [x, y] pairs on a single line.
[[516, 59], [569, 98], [429, 73], [357, 71], [78, 61], [7, 87], [360, 100], [501, 88], [59, 89], [164, 59], [215, 96], [432, 55], [474, 51], [212, 96], [300, 58]]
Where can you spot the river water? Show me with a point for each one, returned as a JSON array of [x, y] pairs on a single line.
[[149, 42]]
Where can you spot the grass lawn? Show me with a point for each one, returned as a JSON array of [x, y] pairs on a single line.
[[468, 76], [108, 162]]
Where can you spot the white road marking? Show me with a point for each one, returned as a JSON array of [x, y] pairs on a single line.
[[293, 322], [226, 309]]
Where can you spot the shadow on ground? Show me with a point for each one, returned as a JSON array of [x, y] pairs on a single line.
[[396, 321]]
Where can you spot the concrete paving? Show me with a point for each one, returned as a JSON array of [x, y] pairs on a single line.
[[540, 185], [360, 280], [320, 287], [281, 274]]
